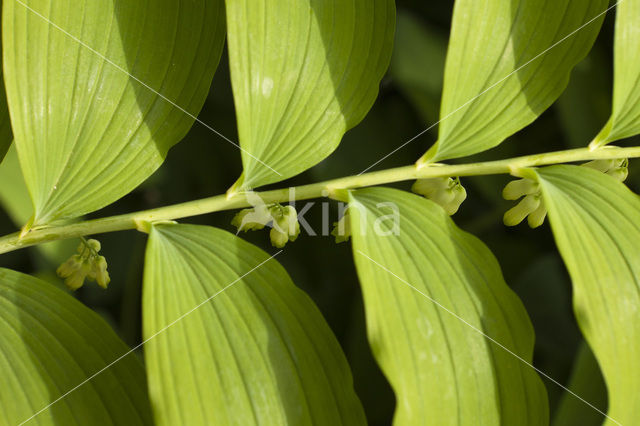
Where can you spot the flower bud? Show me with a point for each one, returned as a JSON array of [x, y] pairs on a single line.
[[600, 165], [460, 194], [519, 188], [289, 222], [285, 225], [68, 268], [517, 214], [278, 238], [76, 279], [99, 272], [87, 264], [445, 191], [620, 174], [618, 169], [252, 219], [537, 217], [342, 228], [94, 245], [429, 187]]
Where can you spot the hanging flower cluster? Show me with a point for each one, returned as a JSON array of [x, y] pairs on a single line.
[[86, 264], [532, 205], [283, 220]]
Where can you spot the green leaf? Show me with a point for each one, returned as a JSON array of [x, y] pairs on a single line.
[[14, 199], [508, 61], [14, 195], [303, 72], [6, 136], [586, 380], [49, 344], [233, 340], [595, 223], [431, 291], [625, 118], [100, 93]]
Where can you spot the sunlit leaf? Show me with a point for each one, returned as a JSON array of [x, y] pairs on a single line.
[[625, 118], [303, 72], [14, 199], [14, 195], [236, 342], [83, 79], [5, 124], [49, 344], [508, 61], [595, 222], [431, 291]]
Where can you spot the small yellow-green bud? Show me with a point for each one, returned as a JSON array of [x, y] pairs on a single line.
[[68, 268], [87, 264], [430, 187], [620, 174], [618, 169], [460, 194], [600, 165], [252, 219], [75, 280], [531, 207], [342, 228], [278, 238], [519, 188], [537, 217], [524, 208], [99, 272], [285, 225], [445, 191]]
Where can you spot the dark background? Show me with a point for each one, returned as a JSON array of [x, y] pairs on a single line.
[[203, 165]]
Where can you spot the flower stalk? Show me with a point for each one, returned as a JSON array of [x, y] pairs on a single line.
[[222, 202]]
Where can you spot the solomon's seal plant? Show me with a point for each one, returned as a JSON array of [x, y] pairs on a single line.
[[97, 94]]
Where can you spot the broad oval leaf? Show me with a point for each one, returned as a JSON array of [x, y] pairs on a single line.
[[595, 223], [625, 118], [233, 340], [431, 291], [100, 90], [585, 380], [6, 136], [303, 72], [508, 61], [14, 199], [49, 344]]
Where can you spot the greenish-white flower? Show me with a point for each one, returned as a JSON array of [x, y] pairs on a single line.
[[447, 192], [531, 207], [86, 265], [342, 228], [285, 225], [252, 219], [618, 169]]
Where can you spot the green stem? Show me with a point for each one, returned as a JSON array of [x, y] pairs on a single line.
[[322, 189]]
